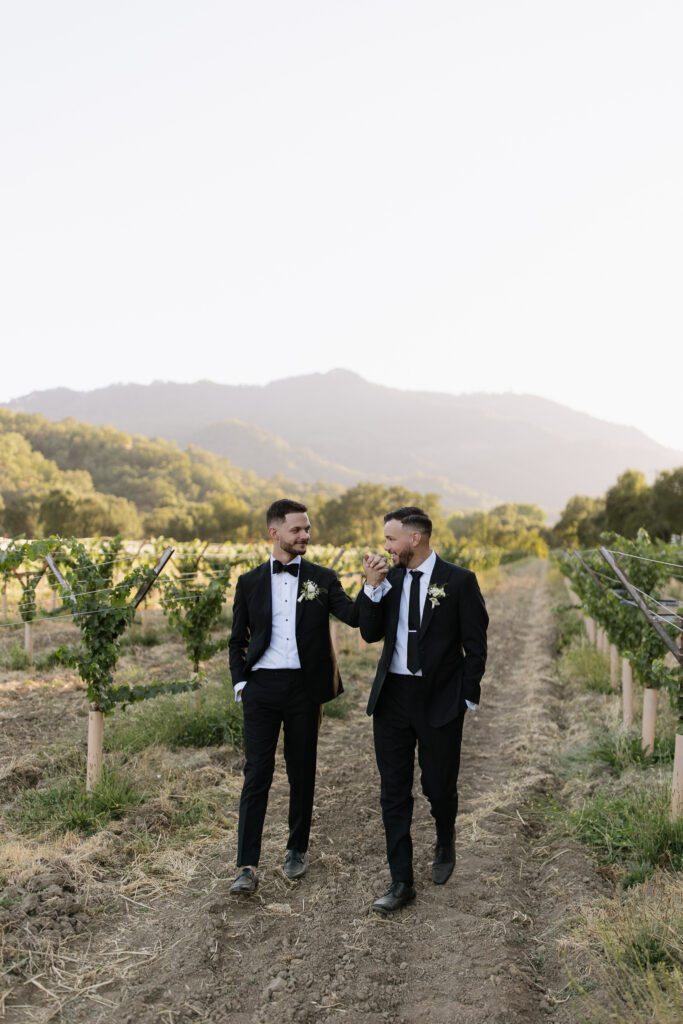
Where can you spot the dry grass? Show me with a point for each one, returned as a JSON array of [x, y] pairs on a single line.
[[627, 955], [624, 952], [155, 849]]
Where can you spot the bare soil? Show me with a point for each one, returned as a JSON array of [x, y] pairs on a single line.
[[483, 948]]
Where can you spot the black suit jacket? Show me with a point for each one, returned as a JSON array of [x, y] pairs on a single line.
[[452, 640], [252, 622]]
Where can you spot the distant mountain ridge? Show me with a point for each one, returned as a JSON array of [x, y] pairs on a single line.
[[473, 449]]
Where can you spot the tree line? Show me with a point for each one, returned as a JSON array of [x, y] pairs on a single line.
[[629, 505], [74, 479]]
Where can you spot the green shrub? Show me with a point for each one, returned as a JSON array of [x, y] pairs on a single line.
[[14, 658], [625, 750], [66, 806]]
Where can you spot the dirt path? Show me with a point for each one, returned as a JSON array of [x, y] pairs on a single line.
[[469, 952]]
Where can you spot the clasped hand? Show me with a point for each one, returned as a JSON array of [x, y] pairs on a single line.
[[375, 568]]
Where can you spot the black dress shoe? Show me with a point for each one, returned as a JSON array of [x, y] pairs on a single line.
[[295, 864], [443, 863], [397, 895], [245, 883]]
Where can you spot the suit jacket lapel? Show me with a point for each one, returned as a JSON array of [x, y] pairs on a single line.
[[265, 591], [439, 577], [394, 598], [305, 573]]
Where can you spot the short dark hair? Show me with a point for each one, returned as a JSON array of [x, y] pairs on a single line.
[[281, 508], [410, 515]]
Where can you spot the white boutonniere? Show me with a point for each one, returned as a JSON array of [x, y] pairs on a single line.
[[310, 591], [435, 593]]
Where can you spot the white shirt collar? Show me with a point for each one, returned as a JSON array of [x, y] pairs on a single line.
[[426, 567]]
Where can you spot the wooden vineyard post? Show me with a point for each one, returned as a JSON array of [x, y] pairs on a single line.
[[197, 694], [649, 719], [614, 667], [95, 749], [4, 600], [677, 777], [28, 640], [590, 629], [677, 780], [627, 692]]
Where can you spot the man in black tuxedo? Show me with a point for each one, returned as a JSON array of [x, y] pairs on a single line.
[[283, 668], [433, 620]]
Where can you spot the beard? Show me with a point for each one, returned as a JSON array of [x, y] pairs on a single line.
[[403, 559], [293, 549]]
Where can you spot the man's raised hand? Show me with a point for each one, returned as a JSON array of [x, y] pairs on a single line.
[[375, 568]]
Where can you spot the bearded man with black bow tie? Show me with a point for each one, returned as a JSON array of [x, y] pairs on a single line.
[[433, 620], [284, 668]]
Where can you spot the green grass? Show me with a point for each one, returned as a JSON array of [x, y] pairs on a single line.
[[586, 666], [148, 636], [617, 751], [652, 948], [570, 629], [14, 657], [633, 830], [625, 750], [339, 708], [65, 806], [202, 719]]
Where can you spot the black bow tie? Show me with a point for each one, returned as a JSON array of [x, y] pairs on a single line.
[[291, 568]]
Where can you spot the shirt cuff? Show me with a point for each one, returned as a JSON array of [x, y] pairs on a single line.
[[377, 593], [238, 687], [471, 706]]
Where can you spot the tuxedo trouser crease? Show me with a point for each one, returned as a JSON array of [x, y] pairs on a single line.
[[399, 725], [275, 698]]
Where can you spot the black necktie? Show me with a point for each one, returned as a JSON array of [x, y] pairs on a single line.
[[291, 568], [414, 622]]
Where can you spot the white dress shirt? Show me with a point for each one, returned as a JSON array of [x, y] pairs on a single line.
[[399, 660], [282, 652]]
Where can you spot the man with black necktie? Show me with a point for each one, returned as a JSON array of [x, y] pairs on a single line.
[[433, 620], [284, 668]]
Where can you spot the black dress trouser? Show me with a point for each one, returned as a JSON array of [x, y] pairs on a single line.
[[273, 698], [399, 724]]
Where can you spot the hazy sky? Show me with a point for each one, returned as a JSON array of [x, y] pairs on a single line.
[[456, 196]]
